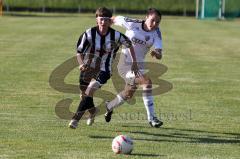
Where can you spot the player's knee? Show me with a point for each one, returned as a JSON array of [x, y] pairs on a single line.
[[83, 85], [92, 87], [82, 94], [83, 88], [128, 94], [128, 97], [147, 83]]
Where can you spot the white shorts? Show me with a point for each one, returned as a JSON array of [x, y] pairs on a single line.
[[124, 70]]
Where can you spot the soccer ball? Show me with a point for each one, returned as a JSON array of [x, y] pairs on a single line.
[[122, 144], [130, 77]]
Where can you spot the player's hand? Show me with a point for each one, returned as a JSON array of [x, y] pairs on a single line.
[[135, 69], [83, 67], [156, 53]]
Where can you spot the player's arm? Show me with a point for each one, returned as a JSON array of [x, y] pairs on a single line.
[[157, 45], [124, 22], [128, 44], [134, 68], [82, 65], [82, 46]]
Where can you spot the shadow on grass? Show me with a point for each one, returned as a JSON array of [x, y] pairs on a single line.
[[146, 155], [136, 139], [133, 154], [237, 135], [202, 131], [180, 135]]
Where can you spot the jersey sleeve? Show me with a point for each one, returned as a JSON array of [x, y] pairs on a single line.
[[124, 40], [157, 39], [125, 22], [83, 43]]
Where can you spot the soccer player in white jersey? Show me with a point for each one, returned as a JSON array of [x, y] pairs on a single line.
[[96, 49], [144, 34]]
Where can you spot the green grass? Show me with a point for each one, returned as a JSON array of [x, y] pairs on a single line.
[[201, 113]]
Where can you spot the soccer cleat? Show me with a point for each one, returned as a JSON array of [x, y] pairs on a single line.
[[108, 114], [155, 122], [90, 120], [73, 124]]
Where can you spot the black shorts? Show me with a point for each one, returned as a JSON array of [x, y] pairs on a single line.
[[102, 77]]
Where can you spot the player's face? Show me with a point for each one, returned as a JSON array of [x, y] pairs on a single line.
[[103, 23], [152, 21]]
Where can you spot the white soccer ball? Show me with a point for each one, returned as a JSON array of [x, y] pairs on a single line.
[[122, 144], [130, 77]]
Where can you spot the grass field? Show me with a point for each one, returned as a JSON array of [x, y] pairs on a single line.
[[201, 113]]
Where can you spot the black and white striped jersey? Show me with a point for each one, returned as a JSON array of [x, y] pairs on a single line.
[[99, 51]]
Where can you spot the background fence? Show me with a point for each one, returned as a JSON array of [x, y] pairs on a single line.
[[171, 7], [182, 7]]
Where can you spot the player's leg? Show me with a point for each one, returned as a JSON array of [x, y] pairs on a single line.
[[94, 85], [124, 68], [85, 104], [124, 95], [83, 86], [127, 93], [147, 96], [92, 88], [84, 81]]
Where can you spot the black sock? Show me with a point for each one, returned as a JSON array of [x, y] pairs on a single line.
[[86, 103], [78, 115], [89, 103], [81, 110], [82, 105]]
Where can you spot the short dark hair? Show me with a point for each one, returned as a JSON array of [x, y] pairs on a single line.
[[103, 12], [154, 11]]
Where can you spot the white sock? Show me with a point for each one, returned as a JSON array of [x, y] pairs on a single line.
[[148, 103], [117, 101]]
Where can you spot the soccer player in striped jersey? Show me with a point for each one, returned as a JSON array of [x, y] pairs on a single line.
[[96, 49], [144, 34]]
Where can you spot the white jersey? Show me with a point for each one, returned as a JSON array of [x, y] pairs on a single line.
[[142, 40]]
